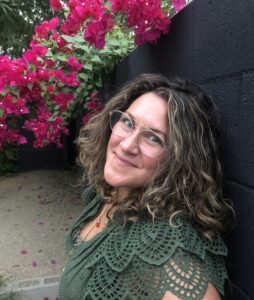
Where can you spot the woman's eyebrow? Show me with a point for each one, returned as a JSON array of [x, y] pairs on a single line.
[[153, 129]]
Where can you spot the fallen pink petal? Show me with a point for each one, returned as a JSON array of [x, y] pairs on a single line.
[[23, 252], [34, 264], [53, 261]]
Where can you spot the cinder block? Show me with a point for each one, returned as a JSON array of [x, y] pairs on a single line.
[[35, 288], [225, 94], [223, 39], [240, 242]]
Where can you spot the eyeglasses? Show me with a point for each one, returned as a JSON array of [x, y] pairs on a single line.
[[150, 142]]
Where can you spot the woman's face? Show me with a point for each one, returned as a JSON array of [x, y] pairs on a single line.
[[127, 167]]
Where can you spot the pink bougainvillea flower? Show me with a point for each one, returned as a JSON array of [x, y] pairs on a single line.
[[69, 27], [94, 106], [74, 64], [86, 118], [53, 23], [34, 264], [94, 95], [39, 50], [50, 88], [47, 128], [14, 106], [21, 140], [53, 261], [56, 5], [96, 31], [80, 14], [59, 75], [49, 63], [63, 100], [71, 79], [30, 56], [10, 136], [145, 16], [42, 31], [178, 4], [43, 74], [58, 39], [80, 11], [72, 4], [119, 5], [23, 252]]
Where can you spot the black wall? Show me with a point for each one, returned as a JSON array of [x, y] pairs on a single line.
[[212, 43]]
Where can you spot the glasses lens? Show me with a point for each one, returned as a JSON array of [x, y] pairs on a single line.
[[150, 143], [115, 116], [121, 124]]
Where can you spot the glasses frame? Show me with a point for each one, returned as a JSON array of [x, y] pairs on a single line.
[[134, 122]]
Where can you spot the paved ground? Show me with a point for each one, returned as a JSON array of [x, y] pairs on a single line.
[[36, 210]]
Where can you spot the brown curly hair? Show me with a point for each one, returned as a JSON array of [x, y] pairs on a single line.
[[188, 182]]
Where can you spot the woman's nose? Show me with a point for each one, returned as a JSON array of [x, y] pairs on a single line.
[[130, 143]]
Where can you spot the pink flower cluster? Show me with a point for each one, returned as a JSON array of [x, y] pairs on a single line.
[[38, 90], [146, 17], [92, 107], [46, 128], [178, 4], [90, 15], [31, 86], [56, 5]]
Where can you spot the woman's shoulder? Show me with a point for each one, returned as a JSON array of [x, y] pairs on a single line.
[[88, 195], [176, 257], [156, 242], [179, 234]]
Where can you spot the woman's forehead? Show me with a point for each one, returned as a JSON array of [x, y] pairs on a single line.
[[151, 110]]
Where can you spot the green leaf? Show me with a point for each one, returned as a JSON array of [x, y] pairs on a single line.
[[118, 51], [98, 84], [96, 59], [43, 86], [61, 57], [83, 47], [30, 87], [114, 42], [68, 38], [83, 76], [56, 108], [1, 112], [88, 66], [49, 53], [40, 59]]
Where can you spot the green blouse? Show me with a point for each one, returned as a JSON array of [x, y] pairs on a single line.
[[140, 261]]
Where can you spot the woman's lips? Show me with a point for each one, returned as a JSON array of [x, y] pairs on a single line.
[[124, 160]]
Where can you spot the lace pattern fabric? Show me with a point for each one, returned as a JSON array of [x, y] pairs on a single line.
[[142, 261]]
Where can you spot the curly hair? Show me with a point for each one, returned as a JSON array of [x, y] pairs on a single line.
[[188, 182]]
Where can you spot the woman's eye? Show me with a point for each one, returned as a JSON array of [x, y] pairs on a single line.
[[127, 122], [153, 138]]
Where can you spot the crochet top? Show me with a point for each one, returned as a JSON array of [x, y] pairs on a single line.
[[140, 261]]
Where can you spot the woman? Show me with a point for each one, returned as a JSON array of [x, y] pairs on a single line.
[[154, 213]]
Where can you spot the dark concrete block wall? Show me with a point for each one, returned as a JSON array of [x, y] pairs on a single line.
[[212, 43]]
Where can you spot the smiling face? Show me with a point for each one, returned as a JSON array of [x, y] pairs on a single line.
[[127, 167]]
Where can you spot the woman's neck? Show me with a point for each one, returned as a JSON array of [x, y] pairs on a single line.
[[122, 193]]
